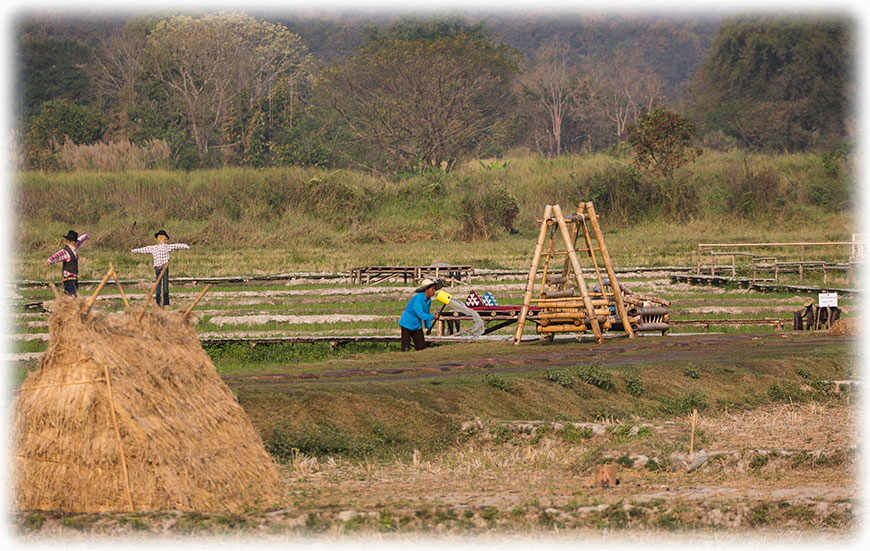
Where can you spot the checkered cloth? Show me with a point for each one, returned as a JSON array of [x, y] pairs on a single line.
[[489, 300], [160, 251], [473, 300]]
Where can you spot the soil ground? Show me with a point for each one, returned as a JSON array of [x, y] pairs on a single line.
[[787, 471]]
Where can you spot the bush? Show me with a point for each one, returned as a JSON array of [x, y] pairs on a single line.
[[684, 403], [633, 382], [595, 375], [486, 212], [498, 382], [557, 376]]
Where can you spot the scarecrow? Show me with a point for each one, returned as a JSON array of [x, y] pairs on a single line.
[[69, 255], [417, 314], [160, 252]]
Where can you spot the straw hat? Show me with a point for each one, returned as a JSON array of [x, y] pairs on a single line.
[[808, 302], [427, 282]]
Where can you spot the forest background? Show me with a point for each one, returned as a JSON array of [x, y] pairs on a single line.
[[374, 128]]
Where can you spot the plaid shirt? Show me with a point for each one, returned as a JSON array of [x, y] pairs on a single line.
[[63, 256], [160, 251]]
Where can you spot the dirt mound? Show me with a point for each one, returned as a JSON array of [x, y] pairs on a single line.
[[845, 327], [124, 415]]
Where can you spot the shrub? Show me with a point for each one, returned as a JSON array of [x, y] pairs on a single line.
[[684, 403], [595, 375], [486, 212], [692, 371], [557, 376], [633, 382], [498, 382], [570, 433]]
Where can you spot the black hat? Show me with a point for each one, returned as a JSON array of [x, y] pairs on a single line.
[[71, 236], [161, 232]]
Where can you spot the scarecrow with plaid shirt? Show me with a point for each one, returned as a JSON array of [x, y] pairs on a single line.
[[69, 255], [160, 252]]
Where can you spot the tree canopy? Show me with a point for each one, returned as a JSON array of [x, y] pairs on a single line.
[[413, 100], [776, 82]]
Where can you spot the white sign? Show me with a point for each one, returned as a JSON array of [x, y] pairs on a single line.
[[827, 299]]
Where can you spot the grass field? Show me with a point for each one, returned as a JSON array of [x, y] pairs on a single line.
[[482, 438]]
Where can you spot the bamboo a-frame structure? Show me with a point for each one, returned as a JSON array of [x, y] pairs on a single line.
[[560, 309]]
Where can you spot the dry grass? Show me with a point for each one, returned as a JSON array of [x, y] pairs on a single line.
[[123, 414], [786, 426]]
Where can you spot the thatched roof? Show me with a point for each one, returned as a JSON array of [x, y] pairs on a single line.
[[164, 433]]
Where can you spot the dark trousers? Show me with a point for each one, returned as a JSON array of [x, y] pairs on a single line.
[[71, 287], [161, 295], [416, 336]]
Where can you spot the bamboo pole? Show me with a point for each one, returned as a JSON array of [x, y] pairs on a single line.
[[118, 436], [694, 423], [578, 272], [99, 289], [151, 292], [581, 328], [120, 289], [530, 284], [195, 302], [611, 273]]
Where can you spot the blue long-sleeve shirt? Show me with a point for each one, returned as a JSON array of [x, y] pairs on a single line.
[[417, 313]]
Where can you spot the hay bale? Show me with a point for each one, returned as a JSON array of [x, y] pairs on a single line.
[[845, 327], [187, 444]]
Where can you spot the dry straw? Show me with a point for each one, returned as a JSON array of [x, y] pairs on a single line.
[[163, 432]]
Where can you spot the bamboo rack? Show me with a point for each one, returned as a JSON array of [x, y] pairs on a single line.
[[565, 302]]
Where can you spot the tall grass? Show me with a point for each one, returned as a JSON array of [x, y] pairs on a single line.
[[308, 218]]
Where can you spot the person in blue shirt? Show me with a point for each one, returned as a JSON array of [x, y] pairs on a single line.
[[416, 314]]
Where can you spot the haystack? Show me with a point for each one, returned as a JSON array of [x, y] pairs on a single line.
[[163, 432], [846, 327]]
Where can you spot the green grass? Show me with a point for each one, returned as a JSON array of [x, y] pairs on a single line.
[[249, 222]]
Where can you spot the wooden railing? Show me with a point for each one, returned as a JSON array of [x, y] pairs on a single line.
[[794, 261]]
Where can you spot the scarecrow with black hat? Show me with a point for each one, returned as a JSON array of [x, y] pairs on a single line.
[[160, 252], [417, 314], [69, 255]]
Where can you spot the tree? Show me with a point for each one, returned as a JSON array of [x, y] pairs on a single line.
[[49, 70], [663, 142], [551, 86], [116, 70], [627, 88], [205, 64], [422, 99], [60, 120], [776, 83]]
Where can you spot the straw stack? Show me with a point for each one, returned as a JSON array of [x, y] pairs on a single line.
[[163, 432]]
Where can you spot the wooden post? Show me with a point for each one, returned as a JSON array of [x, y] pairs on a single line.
[[733, 265], [578, 272], [120, 289], [151, 292], [99, 289], [530, 283], [692, 439], [195, 302], [611, 273]]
